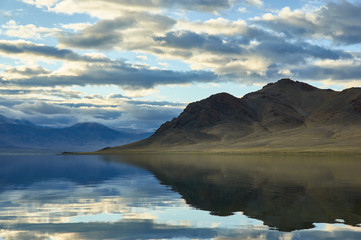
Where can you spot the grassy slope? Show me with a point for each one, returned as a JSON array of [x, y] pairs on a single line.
[[314, 139]]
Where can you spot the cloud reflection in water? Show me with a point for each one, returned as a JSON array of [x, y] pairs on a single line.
[[89, 197]]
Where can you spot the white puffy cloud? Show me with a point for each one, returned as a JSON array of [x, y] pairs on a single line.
[[29, 31], [76, 26], [214, 26]]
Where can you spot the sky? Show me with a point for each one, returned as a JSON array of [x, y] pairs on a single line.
[[137, 63]]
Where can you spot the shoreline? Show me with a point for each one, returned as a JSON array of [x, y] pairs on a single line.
[[224, 152]]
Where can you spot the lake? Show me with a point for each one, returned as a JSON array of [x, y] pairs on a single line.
[[186, 196]]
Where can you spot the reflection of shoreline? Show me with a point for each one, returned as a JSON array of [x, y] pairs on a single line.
[[289, 192]]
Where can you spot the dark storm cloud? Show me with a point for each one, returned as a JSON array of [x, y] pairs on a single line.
[[191, 40], [41, 108], [341, 20], [118, 73], [256, 33], [338, 20], [87, 40], [28, 71], [116, 95], [341, 72], [275, 48], [22, 47], [108, 34], [293, 53], [102, 35], [13, 92]]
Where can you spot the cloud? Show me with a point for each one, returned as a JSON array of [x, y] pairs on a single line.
[[24, 71], [102, 35], [13, 91], [337, 70], [254, 3], [336, 20], [190, 40], [39, 93], [114, 110], [41, 3], [152, 113], [42, 108], [142, 57], [76, 26], [298, 52], [117, 73], [19, 47], [251, 54], [123, 32], [6, 14], [298, 43], [214, 26], [105, 9], [200, 5], [29, 31], [230, 49], [157, 103]]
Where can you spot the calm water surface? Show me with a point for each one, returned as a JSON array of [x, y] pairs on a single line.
[[180, 197]]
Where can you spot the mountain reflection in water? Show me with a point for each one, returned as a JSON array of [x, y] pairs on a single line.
[[288, 192], [179, 197]]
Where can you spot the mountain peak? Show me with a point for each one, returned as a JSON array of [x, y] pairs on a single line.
[[219, 102], [209, 112], [287, 83]]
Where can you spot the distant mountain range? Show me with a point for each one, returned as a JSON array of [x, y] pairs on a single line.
[[22, 135], [283, 116]]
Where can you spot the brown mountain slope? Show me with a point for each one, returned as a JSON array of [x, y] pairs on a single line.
[[282, 116]]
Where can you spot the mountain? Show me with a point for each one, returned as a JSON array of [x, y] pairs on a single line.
[[18, 135], [283, 116]]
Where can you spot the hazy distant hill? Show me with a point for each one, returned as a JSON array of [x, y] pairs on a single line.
[[23, 135], [286, 115]]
